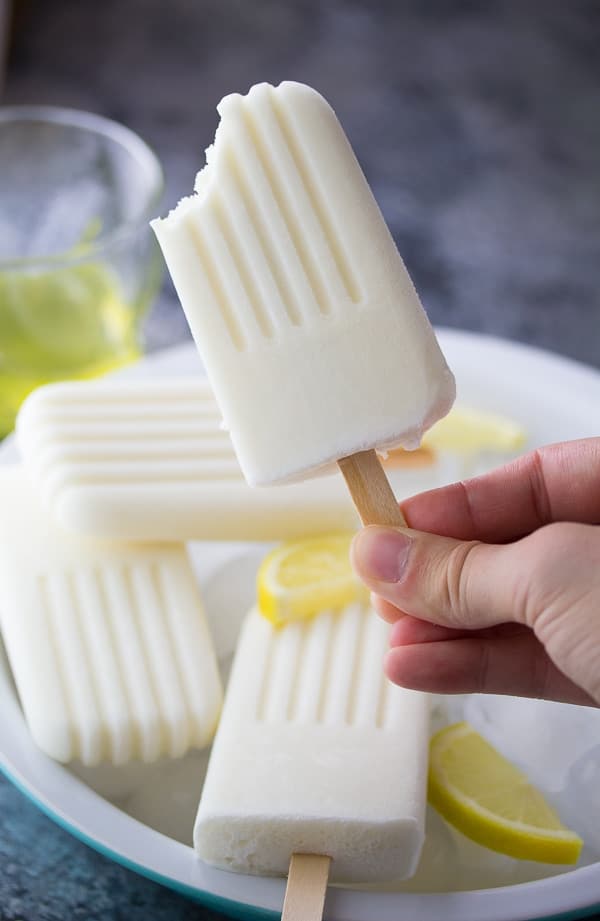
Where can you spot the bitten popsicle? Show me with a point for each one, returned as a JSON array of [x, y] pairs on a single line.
[[313, 337], [107, 642], [316, 752]]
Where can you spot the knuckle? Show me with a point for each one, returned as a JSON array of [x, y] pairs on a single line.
[[456, 588]]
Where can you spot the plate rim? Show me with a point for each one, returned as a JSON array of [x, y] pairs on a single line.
[[345, 905]]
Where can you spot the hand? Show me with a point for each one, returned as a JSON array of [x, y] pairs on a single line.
[[495, 585]]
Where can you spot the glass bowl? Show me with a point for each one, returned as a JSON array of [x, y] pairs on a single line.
[[79, 265]]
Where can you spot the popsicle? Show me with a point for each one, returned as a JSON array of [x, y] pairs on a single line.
[[107, 642], [316, 752], [312, 335], [148, 460]]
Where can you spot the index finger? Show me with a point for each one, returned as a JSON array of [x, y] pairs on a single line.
[[559, 482]]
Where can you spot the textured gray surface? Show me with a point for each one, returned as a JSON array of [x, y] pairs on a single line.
[[48, 876], [476, 122], [477, 125]]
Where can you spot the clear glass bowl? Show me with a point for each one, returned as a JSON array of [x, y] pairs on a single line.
[[79, 265]]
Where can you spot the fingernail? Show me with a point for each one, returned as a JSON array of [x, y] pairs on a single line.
[[381, 554]]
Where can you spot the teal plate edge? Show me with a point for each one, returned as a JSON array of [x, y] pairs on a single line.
[[228, 907], [232, 909]]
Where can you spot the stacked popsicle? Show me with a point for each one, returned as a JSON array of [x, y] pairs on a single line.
[[108, 642], [141, 460]]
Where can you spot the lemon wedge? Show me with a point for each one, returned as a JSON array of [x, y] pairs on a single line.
[[492, 802], [300, 578], [467, 431]]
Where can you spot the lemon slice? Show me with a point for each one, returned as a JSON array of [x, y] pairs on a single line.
[[489, 800], [303, 577], [467, 431]]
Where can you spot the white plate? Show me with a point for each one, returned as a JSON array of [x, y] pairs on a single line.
[[554, 399]]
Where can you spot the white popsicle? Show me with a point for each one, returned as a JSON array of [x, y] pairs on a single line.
[[148, 460], [311, 332], [316, 752], [108, 643]]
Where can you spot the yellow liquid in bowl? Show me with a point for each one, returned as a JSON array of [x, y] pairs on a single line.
[[69, 323]]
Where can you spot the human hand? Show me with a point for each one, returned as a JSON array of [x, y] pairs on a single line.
[[495, 585]]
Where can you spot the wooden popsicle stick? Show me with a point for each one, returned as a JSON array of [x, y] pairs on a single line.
[[370, 489], [306, 887]]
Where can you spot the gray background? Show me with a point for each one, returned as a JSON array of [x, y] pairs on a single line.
[[478, 125]]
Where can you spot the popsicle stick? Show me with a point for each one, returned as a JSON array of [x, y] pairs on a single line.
[[370, 489], [306, 887]]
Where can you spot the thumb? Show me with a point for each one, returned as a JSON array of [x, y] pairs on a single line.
[[460, 584]]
